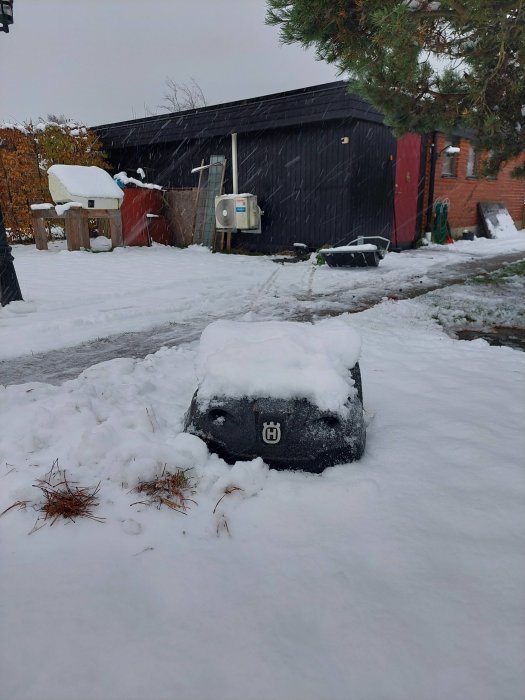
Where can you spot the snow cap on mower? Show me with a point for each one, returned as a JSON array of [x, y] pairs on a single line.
[[287, 392]]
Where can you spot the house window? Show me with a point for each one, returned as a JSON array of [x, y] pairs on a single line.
[[490, 177], [450, 162], [472, 162]]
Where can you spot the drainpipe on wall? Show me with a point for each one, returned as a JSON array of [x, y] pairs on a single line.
[[235, 172], [431, 183]]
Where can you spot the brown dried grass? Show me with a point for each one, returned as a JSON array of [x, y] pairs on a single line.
[[227, 491], [64, 498], [21, 505], [171, 489]]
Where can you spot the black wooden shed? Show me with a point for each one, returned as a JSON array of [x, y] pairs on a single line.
[[320, 160]]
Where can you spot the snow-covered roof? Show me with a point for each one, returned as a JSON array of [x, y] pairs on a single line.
[[279, 359], [86, 181]]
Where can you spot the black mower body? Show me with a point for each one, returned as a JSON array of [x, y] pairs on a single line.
[[286, 433]]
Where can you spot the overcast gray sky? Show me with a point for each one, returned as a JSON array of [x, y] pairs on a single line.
[[99, 61]]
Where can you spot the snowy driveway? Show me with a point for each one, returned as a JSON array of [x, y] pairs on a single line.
[[88, 308]]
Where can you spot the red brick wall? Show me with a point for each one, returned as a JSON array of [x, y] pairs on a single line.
[[465, 193]]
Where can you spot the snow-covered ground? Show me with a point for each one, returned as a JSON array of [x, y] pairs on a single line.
[[495, 300], [75, 297], [398, 577]]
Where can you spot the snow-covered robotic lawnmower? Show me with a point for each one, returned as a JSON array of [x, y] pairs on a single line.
[[287, 392]]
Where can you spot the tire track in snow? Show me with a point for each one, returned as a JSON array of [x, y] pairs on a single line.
[[56, 366], [311, 275], [264, 289]]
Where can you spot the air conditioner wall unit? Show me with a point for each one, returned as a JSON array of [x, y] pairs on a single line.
[[238, 212]]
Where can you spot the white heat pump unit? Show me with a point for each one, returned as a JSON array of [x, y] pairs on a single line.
[[238, 212]]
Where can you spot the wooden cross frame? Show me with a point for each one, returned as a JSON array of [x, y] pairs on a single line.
[[77, 231]]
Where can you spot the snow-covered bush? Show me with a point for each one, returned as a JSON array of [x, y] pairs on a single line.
[[27, 151]]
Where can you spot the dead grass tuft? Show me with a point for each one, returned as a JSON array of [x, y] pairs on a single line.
[[21, 505], [172, 489], [227, 491], [64, 498]]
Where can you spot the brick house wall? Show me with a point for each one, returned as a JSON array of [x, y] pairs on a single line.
[[465, 192]]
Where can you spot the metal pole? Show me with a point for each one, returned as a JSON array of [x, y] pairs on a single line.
[[7, 16], [9, 287], [431, 185], [235, 172]]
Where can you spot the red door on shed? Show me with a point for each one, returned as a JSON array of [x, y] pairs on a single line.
[[142, 217], [408, 172]]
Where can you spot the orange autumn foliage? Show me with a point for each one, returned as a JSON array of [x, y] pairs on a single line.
[[26, 152]]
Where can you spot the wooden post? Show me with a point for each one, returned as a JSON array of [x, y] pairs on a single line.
[[221, 237], [74, 226], [115, 226], [39, 229], [84, 229]]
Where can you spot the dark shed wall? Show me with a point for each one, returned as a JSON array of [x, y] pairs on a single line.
[[312, 188], [170, 164], [372, 183], [315, 190], [301, 177]]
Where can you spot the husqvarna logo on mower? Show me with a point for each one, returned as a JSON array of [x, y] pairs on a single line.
[[271, 433]]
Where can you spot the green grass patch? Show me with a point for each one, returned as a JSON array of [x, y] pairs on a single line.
[[502, 275]]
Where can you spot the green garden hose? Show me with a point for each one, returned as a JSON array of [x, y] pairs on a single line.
[[440, 227]]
